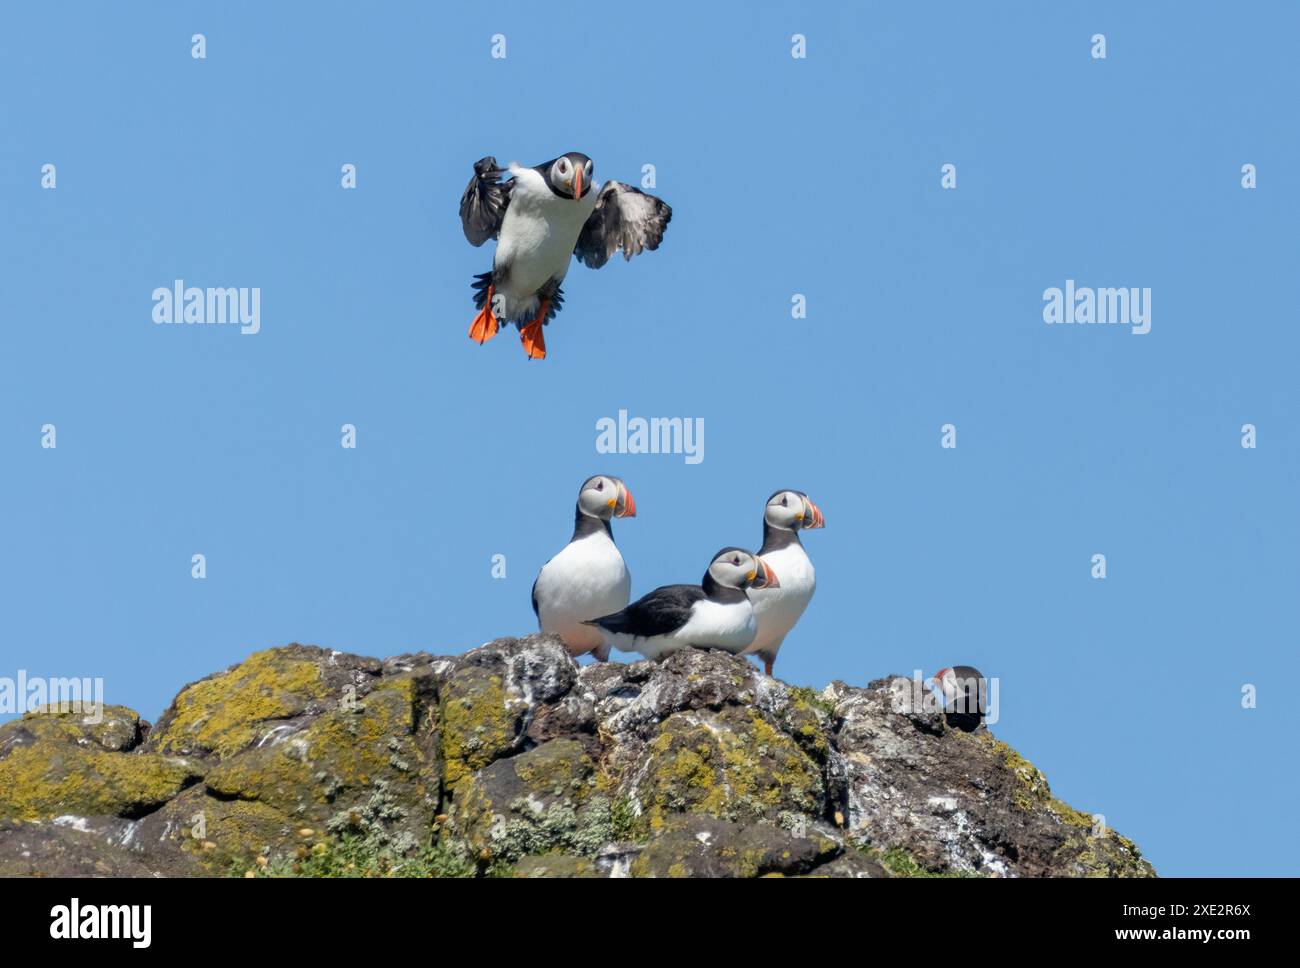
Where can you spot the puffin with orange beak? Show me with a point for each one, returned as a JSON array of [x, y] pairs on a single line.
[[715, 614], [587, 578], [965, 696], [778, 609], [541, 217]]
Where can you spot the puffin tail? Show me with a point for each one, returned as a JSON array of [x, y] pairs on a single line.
[[484, 325]]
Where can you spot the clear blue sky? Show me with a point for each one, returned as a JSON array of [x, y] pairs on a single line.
[[816, 176]]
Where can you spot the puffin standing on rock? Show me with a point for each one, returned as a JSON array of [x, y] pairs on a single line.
[[777, 609], [587, 578], [540, 217], [965, 696], [715, 614]]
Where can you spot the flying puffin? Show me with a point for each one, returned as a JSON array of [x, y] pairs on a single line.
[[778, 609], [965, 696], [587, 577], [716, 614], [540, 217]]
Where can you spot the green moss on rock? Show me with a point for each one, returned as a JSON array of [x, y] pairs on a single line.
[[626, 824]]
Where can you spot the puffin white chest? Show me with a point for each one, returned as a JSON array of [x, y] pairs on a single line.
[[778, 609], [719, 625], [710, 625], [586, 579], [538, 234]]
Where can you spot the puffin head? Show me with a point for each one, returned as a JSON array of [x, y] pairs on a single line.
[[738, 568], [570, 175], [792, 510], [946, 680], [606, 497]]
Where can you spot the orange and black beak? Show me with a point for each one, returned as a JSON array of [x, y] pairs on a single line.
[[765, 577], [624, 505], [577, 182], [812, 515]]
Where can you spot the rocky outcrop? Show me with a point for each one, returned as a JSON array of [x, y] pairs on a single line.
[[512, 760]]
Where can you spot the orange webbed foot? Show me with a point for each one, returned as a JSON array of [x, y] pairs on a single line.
[[531, 335], [484, 326]]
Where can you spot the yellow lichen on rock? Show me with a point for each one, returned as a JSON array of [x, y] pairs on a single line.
[[46, 779], [476, 723], [241, 831], [110, 727], [225, 712], [337, 758], [733, 765], [509, 760]]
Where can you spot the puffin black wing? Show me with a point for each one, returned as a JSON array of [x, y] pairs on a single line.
[[969, 707], [658, 613], [624, 218], [483, 205]]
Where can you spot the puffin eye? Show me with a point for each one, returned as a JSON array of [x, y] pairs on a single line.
[[785, 501], [600, 485]]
